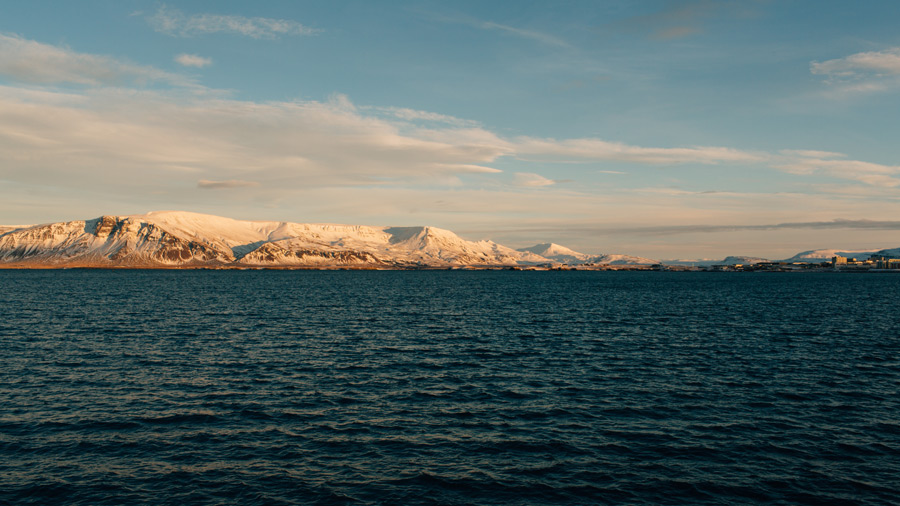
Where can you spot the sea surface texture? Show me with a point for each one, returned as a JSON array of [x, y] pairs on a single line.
[[487, 388]]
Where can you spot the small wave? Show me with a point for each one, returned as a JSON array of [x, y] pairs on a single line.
[[177, 419]]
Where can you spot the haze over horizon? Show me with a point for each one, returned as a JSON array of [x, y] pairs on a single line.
[[664, 129]]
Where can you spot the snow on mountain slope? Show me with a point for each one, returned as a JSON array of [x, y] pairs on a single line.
[[224, 233], [622, 260], [823, 255], [890, 252], [423, 243], [565, 255], [557, 253], [103, 241], [9, 228], [172, 238]]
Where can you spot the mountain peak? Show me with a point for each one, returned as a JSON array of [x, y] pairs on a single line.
[[556, 252], [549, 249]]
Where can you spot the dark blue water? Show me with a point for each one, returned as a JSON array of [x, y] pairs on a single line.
[[276, 387]]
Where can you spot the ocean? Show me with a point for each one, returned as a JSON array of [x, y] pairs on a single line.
[[448, 387]]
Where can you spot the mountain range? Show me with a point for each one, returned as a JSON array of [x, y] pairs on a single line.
[[175, 239]]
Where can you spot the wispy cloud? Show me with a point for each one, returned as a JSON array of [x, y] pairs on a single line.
[[541, 37], [222, 185], [192, 60], [415, 115], [531, 180], [804, 162], [524, 33], [178, 24], [597, 149], [811, 153], [808, 225], [33, 62]]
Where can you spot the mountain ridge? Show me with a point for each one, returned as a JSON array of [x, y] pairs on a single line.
[[181, 239]]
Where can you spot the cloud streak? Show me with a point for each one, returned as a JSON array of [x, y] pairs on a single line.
[[809, 225], [414, 115], [175, 23], [28, 61], [192, 60], [533, 35], [803, 162], [223, 185], [597, 149], [541, 37]]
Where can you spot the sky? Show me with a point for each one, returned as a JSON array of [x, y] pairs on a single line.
[[665, 129]]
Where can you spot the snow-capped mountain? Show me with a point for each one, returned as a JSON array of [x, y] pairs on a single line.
[[175, 239], [557, 253], [184, 239], [622, 260], [564, 255], [824, 255]]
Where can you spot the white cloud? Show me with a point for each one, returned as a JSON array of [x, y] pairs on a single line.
[[860, 73], [873, 62], [178, 24], [531, 180], [111, 133], [810, 153], [33, 62], [192, 60]]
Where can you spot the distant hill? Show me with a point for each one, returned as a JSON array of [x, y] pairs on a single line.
[[564, 255], [824, 255], [729, 260], [557, 253]]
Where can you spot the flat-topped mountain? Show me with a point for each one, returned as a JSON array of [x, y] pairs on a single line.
[[183, 239]]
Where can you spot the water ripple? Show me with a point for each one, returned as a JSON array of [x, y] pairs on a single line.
[[275, 387]]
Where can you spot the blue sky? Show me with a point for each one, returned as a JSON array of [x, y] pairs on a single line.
[[660, 128]]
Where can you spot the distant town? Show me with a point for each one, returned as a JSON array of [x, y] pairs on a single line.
[[837, 263]]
